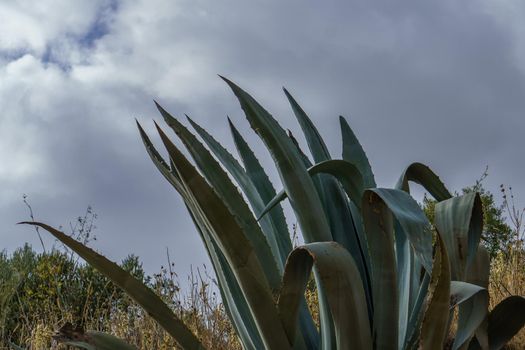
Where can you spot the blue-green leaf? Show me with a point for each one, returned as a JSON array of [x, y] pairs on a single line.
[[459, 220], [341, 281], [236, 248], [354, 153]]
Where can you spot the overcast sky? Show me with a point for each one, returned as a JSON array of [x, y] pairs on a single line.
[[441, 82]]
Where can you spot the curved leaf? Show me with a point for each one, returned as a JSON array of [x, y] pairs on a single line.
[[260, 179], [478, 273], [424, 176], [506, 320], [229, 194], [144, 296], [341, 281], [298, 185], [380, 206], [459, 220], [409, 268], [233, 243], [434, 326], [473, 303], [279, 243], [273, 226], [232, 297], [344, 171], [379, 227]]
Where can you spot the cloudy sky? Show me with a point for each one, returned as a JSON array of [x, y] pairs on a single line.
[[441, 82]]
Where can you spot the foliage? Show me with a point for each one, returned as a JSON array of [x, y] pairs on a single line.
[[379, 285]]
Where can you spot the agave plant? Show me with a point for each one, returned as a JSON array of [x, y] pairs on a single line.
[[386, 278]]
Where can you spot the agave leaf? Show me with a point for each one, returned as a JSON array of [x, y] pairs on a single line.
[[434, 326], [351, 180], [299, 186], [344, 171], [229, 194], [160, 163], [303, 195], [341, 280], [473, 303], [505, 321], [336, 204], [235, 246], [274, 228], [231, 294], [379, 226], [412, 220], [232, 297], [460, 222], [353, 152], [261, 183], [260, 180], [315, 142], [424, 176], [417, 314], [144, 296], [380, 207], [478, 273], [409, 268], [279, 243]]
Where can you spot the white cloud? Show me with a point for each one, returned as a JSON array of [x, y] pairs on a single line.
[[33, 25]]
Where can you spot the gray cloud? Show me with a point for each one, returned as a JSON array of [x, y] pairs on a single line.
[[440, 82]]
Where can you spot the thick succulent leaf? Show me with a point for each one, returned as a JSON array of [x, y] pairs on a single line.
[[231, 197], [505, 321], [380, 207], [379, 228], [159, 162], [409, 270], [473, 304], [299, 186], [417, 314], [345, 172], [326, 326], [478, 273], [232, 297], [351, 180], [231, 294], [335, 203], [405, 266], [435, 320], [314, 140], [412, 220], [459, 220], [424, 176], [280, 243], [354, 153], [297, 183], [274, 228], [233, 243], [341, 281], [144, 296], [260, 179]]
